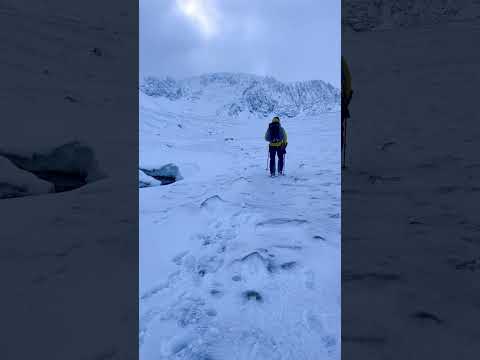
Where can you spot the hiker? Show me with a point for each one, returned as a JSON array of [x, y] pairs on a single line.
[[347, 93], [277, 137]]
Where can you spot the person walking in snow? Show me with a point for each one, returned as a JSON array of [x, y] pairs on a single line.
[[277, 138], [347, 93]]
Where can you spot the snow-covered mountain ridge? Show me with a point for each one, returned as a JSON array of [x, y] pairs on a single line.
[[230, 94], [370, 15]]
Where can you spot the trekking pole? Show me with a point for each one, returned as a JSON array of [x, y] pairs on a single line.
[[268, 160], [345, 144], [344, 132]]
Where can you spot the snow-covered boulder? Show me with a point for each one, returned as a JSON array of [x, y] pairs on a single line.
[[147, 181], [15, 182], [166, 174], [68, 166]]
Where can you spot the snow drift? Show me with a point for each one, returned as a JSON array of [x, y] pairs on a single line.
[[15, 182]]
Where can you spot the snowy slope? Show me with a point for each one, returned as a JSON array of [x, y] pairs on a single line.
[[234, 264], [231, 94]]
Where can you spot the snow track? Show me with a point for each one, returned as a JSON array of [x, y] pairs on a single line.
[[234, 264]]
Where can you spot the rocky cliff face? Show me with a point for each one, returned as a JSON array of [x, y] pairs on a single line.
[[232, 94]]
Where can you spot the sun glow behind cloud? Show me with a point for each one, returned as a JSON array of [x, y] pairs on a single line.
[[182, 38], [202, 13]]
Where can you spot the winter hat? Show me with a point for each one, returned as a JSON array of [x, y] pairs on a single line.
[[276, 119]]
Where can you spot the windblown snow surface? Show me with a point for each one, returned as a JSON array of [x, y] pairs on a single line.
[[235, 264], [411, 254]]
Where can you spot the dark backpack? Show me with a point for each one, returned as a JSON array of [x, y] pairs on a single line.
[[276, 134]]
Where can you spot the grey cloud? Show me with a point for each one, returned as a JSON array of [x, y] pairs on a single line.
[[290, 40]]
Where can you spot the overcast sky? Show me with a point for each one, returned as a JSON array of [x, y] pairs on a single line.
[[288, 39]]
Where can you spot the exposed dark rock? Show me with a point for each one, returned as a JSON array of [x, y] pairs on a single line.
[[252, 295], [258, 95]]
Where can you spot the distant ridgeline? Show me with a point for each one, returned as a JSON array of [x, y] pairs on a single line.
[[233, 94], [371, 15]]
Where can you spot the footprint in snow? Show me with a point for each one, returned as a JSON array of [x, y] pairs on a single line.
[[212, 202], [211, 312], [217, 292], [312, 321], [177, 259], [208, 264], [330, 342], [255, 263], [290, 265], [309, 279], [289, 247], [387, 145]]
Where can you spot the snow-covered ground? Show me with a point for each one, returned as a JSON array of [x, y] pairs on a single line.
[[68, 260], [410, 240], [235, 264]]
